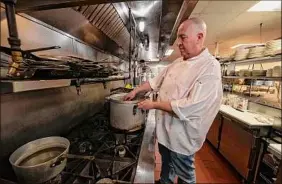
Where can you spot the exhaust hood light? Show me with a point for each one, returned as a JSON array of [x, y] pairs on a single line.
[[141, 26], [266, 5], [142, 11], [168, 52]]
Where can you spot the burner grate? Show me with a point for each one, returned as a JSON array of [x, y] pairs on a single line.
[[115, 153]]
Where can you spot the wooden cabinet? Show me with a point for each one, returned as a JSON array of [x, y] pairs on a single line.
[[236, 145], [214, 131]]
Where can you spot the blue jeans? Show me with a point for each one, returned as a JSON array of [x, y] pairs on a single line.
[[176, 164]]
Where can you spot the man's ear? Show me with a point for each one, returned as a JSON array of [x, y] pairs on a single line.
[[200, 36]]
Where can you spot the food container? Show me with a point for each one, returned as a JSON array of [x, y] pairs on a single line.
[[125, 115], [244, 73], [259, 73], [269, 72], [276, 71], [231, 73]]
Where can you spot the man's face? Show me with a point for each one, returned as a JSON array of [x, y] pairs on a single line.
[[187, 40]]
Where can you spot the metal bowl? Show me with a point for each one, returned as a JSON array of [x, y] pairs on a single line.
[[35, 161]]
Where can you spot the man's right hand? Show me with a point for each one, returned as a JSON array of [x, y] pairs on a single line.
[[129, 96]]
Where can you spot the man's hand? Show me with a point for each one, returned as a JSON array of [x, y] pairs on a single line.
[[145, 87], [146, 105], [129, 96]]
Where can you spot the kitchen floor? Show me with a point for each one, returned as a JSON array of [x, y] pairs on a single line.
[[210, 167]]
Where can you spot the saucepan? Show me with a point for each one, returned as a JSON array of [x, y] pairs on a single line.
[[41, 160]]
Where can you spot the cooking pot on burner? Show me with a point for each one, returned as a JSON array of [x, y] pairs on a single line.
[[125, 115], [39, 161]]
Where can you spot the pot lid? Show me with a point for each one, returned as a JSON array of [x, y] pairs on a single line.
[[119, 98]]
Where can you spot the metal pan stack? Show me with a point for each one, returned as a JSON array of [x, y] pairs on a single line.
[[272, 47]]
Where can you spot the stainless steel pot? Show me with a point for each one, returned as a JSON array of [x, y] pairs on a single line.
[[39, 160], [125, 115]]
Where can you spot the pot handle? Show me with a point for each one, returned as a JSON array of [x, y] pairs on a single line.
[[134, 109], [58, 161]]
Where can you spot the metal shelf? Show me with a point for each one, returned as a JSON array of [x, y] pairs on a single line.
[[255, 78], [256, 60], [15, 86], [255, 99]]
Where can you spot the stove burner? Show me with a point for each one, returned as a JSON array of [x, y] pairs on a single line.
[[121, 150], [85, 146]]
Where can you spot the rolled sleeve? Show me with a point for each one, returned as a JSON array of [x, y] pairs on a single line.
[[205, 93]]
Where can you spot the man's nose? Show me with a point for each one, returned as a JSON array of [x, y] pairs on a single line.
[[178, 42]]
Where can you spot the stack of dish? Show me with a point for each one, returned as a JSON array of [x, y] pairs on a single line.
[[258, 73], [256, 52], [269, 72], [272, 47], [244, 73], [232, 56], [276, 71], [241, 54]]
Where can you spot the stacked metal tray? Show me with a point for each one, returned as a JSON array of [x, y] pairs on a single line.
[[56, 67]]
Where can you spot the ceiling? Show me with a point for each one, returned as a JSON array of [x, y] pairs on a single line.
[[150, 12], [230, 26]]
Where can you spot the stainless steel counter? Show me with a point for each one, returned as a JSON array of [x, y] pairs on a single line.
[[146, 160]]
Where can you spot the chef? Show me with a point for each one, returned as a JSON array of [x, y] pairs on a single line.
[[190, 95]]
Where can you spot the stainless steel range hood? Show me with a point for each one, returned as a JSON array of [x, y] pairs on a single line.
[[91, 24], [105, 23]]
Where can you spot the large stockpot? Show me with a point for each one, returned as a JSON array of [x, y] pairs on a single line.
[[125, 115], [37, 161]]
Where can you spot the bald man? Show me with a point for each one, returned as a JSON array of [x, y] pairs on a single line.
[[189, 98]]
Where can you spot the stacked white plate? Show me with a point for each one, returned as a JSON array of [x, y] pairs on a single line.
[[241, 54], [276, 71], [256, 52], [272, 47]]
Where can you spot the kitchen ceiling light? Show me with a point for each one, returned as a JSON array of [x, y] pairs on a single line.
[[143, 10], [141, 26], [266, 5], [168, 52]]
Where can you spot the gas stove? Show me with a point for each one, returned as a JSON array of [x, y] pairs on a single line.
[[100, 154], [114, 153]]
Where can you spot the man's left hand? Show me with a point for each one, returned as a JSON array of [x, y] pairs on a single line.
[[146, 105]]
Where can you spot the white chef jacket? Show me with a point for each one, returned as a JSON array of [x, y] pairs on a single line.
[[194, 90]]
